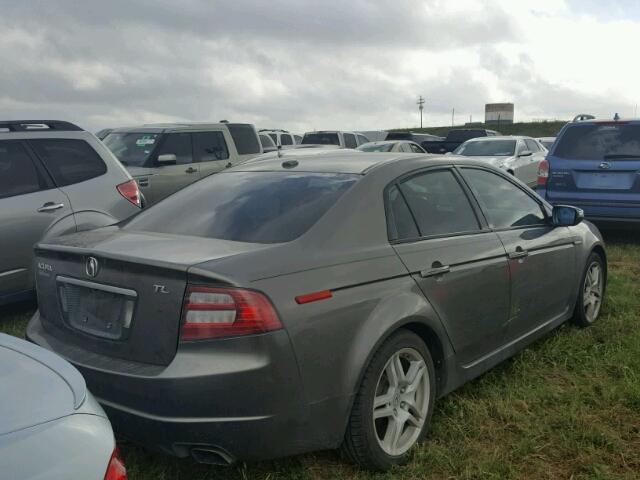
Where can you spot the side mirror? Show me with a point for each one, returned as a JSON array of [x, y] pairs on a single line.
[[166, 159], [567, 216], [526, 153]]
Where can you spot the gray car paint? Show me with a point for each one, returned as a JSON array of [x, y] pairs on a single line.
[[85, 205], [306, 375], [50, 426]]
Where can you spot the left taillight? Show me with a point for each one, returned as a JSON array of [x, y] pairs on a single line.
[[131, 192], [116, 469], [211, 312]]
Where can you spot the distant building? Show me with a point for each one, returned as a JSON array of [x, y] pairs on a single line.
[[498, 113]]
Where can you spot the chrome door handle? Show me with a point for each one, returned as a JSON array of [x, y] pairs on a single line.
[[191, 170], [519, 253], [432, 272], [50, 207]]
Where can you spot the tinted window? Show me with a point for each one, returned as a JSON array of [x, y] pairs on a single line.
[[484, 148], [209, 147], [245, 138], [286, 140], [531, 145], [415, 148], [18, 174], [362, 139], [321, 138], [274, 137], [400, 223], [266, 141], [599, 142], [350, 140], [376, 147], [131, 148], [439, 204], [399, 136], [256, 207], [69, 161], [504, 204], [178, 144]]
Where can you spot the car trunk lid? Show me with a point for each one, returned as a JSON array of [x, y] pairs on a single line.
[[120, 293]]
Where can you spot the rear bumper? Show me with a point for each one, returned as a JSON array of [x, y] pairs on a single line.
[[240, 396], [600, 212]]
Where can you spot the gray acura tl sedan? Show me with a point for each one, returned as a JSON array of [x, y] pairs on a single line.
[[312, 302]]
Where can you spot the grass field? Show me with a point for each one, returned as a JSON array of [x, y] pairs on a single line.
[[566, 408]]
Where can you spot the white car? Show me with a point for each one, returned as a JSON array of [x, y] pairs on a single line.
[[280, 137], [50, 425], [517, 155]]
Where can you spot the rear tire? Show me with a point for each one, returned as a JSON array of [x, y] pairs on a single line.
[[591, 294], [394, 404]]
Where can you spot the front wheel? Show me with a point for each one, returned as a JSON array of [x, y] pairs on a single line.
[[591, 292], [394, 404]]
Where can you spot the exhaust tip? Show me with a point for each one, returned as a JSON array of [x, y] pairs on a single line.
[[212, 456]]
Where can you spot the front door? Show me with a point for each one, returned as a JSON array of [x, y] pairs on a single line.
[[460, 266], [211, 152], [170, 178], [29, 206], [541, 257]]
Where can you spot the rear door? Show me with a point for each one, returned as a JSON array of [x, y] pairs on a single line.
[[168, 179], [29, 206], [211, 152], [350, 140], [596, 166], [459, 265], [541, 257]]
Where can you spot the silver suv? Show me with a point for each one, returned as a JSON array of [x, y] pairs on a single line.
[[334, 137], [55, 178], [163, 158]]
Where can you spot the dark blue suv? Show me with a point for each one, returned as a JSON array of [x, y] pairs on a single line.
[[595, 165]]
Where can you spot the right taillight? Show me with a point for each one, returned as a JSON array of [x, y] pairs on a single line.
[[116, 469], [543, 172], [131, 192], [211, 312]]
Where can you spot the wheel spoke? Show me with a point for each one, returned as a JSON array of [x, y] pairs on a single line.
[[415, 375], [414, 420], [383, 412], [392, 374], [384, 399], [393, 433]]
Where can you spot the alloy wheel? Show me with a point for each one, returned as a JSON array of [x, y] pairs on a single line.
[[592, 292], [401, 401]]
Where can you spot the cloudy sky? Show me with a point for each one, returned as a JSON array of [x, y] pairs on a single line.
[[305, 65]]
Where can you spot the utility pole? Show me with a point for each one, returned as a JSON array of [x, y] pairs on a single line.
[[420, 103], [453, 116], [635, 112]]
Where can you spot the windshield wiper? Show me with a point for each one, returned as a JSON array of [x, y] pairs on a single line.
[[610, 156]]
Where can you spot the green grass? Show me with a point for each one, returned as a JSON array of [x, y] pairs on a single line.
[[531, 129], [567, 407]]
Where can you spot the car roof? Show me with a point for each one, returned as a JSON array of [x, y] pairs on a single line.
[[342, 161], [499, 137], [168, 127]]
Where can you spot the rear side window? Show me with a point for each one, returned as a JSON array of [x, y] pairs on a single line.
[[321, 138], [400, 223], [266, 141], [254, 207], [69, 161], [178, 144], [531, 145], [350, 140], [286, 140], [245, 138], [209, 147], [439, 204], [599, 142], [504, 204], [362, 139], [18, 174]]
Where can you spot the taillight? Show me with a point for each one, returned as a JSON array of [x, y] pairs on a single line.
[[543, 172], [130, 191], [116, 469], [210, 312]]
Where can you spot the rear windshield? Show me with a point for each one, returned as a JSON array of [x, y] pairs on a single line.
[[320, 138], [254, 207], [131, 148], [599, 142], [487, 148], [376, 147], [399, 136]]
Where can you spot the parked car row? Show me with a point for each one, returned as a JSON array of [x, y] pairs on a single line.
[[321, 295]]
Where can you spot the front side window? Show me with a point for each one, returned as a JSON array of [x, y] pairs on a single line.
[[131, 148], [350, 140], [209, 147], [178, 144], [504, 204], [362, 139], [18, 174], [286, 140], [487, 148], [439, 204], [68, 160], [245, 138], [254, 207]]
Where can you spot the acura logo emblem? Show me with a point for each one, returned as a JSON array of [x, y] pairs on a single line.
[[605, 165], [92, 266]]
